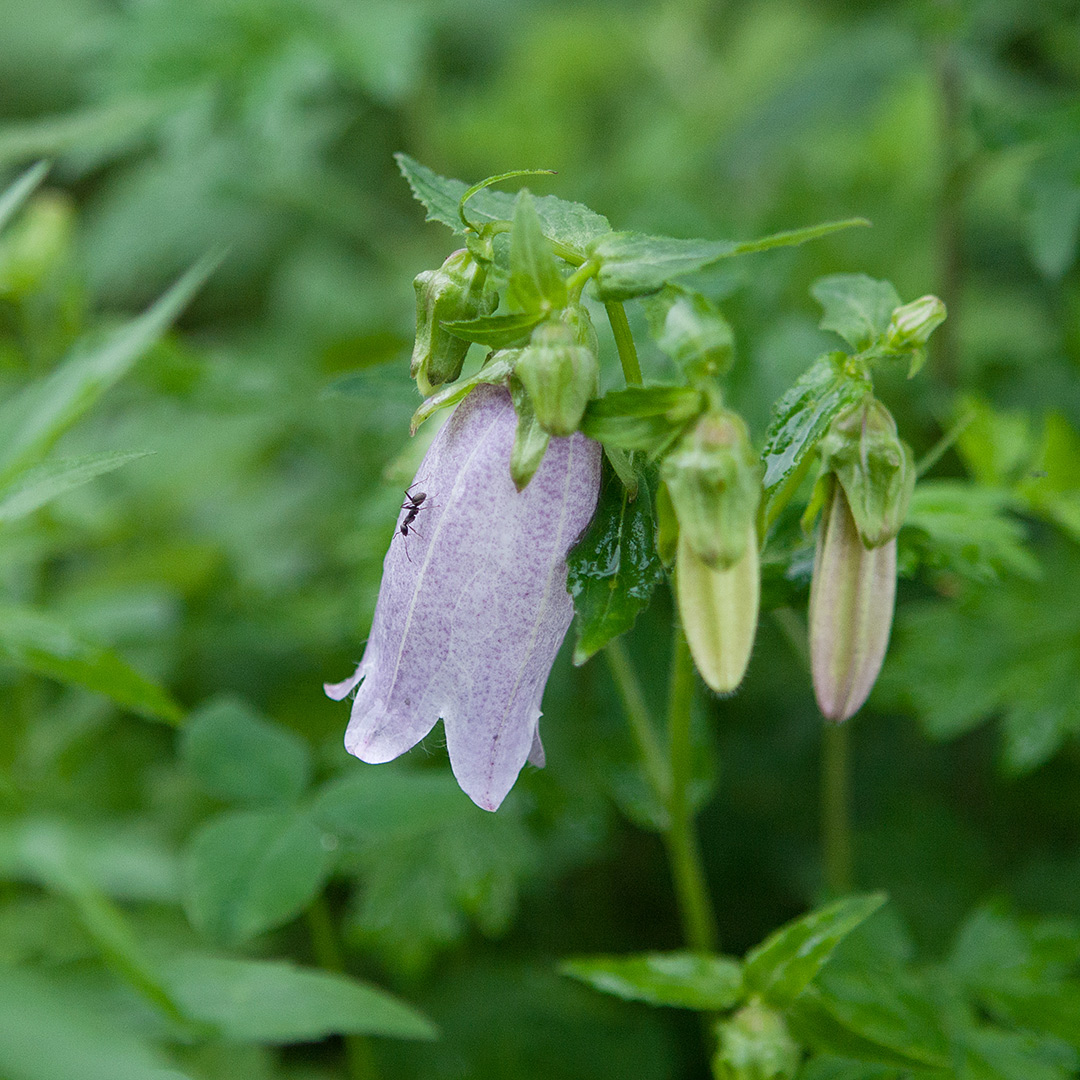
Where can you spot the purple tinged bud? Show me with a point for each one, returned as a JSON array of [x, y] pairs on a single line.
[[852, 594], [473, 604]]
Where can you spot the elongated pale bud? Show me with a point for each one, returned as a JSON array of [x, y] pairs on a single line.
[[912, 324], [714, 478], [560, 370], [875, 467], [719, 611], [755, 1044], [453, 292], [852, 595]]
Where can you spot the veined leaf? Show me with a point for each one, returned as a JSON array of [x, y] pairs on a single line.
[[856, 307], [641, 417], [496, 331], [535, 282]]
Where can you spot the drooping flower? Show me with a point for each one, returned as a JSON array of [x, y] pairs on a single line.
[[473, 604]]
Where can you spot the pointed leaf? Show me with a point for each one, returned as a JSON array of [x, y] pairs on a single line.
[[270, 1001], [683, 980], [42, 644], [614, 567], [496, 331], [857, 307], [642, 417], [17, 192], [530, 439], [535, 282], [493, 373]]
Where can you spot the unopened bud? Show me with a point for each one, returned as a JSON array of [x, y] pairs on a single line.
[[911, 325], [454, 292], [852, 594], [875, 467], [714, 478], [755, 1044], [561, 371], [719, 611]]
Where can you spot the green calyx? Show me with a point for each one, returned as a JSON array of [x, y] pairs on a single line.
[[455, 292], [874, 466], [714, 479], [755, 1044]]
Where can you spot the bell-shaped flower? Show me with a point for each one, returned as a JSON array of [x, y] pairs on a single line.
[[473, 604]]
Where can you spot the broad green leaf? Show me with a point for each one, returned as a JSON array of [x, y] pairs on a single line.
[[32, 489], [43, 644], [494, 372], [271, 1001], [645, 418], [535, 282], [496, 331], [1012, 1055], [690, 328], [248, 871], [683, 980], [530, 439], [55, 1032], [614, 568], [634, 264], [35, 418], [567, 223], [784, 964], [967, 530], [855, 306], [801, 417], [243, 758], [17, 192]]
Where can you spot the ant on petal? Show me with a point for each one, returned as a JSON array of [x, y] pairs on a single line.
[[414, 503]]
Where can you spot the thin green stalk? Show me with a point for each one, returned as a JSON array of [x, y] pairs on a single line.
[[835, 814], [624, 342], [637, 712], [684, 852], [324, 944]]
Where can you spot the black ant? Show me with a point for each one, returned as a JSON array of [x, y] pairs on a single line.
[[413, 504]]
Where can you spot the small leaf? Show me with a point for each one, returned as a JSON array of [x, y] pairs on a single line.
[[683, 980], [634, 264], [40, 643], [19, 190], [495, 372], [646, 418], [32, 489], [242, 758], [690, 328], [614, 567], [530, 439], [535, 282], [857, 307], [785, 963], [270, 1001], [496, 331], [801, 417], [249, 871]]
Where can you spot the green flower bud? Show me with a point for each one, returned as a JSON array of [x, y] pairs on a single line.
[[875, 467], [714, 478], [560, 370], [755, 1044], [911, 325], [852, 594], [454, 292], [719, 611]]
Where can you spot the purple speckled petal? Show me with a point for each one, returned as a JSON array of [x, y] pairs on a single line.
[[470, 617]]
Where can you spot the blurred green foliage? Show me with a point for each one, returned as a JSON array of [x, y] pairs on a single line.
[[192, 524]]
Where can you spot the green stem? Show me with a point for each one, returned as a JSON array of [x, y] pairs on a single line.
[[684, 852], [637, 712], [835, 814], [624, 342], [324, 943]]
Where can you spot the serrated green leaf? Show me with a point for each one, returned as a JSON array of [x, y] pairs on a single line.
[[535, 285], [855, 306], [30, 490], [801, 417], [496, 331], [248, 871], [567, 223], [691, 329], [614, 568], [645, 418], [241, 757], [682, 980], [35, 418], [43, 644], [19, 190], [635, 264], [270, 1001], [784, 964]]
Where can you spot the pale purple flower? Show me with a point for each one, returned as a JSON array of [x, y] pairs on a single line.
[[473, 604]]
